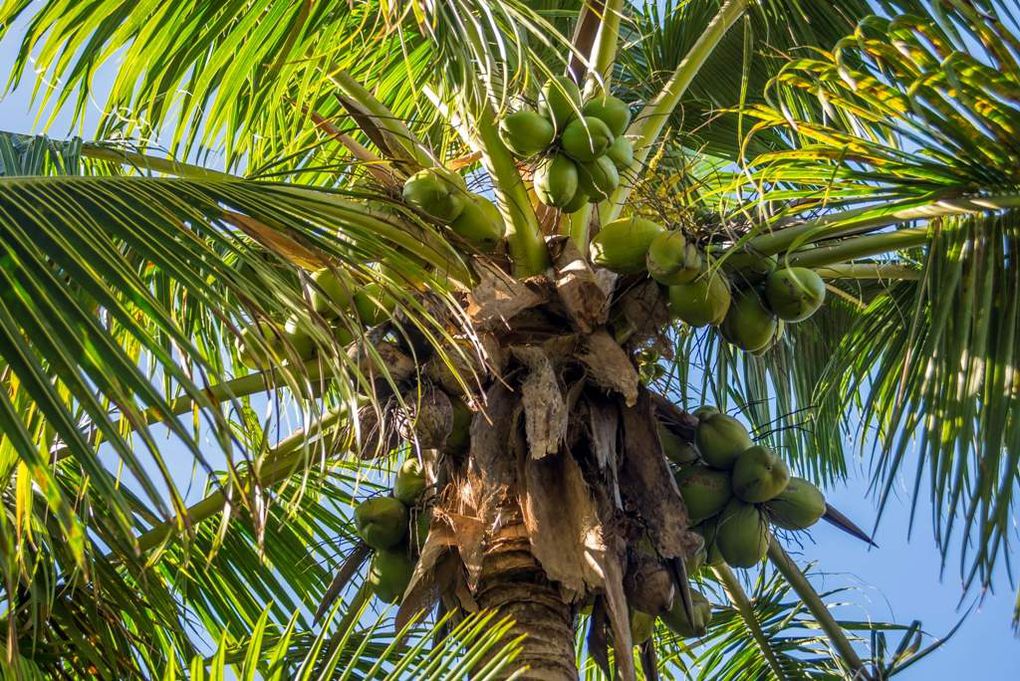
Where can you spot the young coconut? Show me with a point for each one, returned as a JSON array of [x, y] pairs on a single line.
[[706, 300], [704, 411], [373, 304], [708, 531], [585, 139], [526, 133], [480, 223], [556, 180], [642, 626], [575, 204], [390, 573], [721, 439], [621, 153], [748, 266], [428, 419], [331, 293], [678, 622], [410, 482], [381, 521], [794, 293], [622, 245], [797, 507], [759, 475], [297, 339], [459, 440], [672, 259], [742, 534], [437, 192], [255, 354], [599, 178], [749, 324], [675, 449], [705, 491], [559, 101], [612, 111]]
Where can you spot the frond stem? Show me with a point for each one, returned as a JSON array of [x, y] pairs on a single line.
[[860, 247], [870, 218], [648, 125], [800, 584], [740, 601]]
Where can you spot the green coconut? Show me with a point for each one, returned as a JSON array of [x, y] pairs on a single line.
[[674, 448], [622, 245], [672, 260], [526, 133], [297, 339], [749, 267], [459, 439], [599, 178], [708, 531], [556, 180], [742, 534], [797, 507], [621, 153], [331, 293], [705, 491], [343, 333], [410, 482], [721, 439], [255, 354], [612, 111], [436, 192], [480, 223], [642, 626], [794, 293], [694, 562], [559, 101], [678, 622], [749, 324], [373, 304], [585, 139], [706, 300], [704, 411], [381, 521], [390, 574], [759, 475], [575, 204]]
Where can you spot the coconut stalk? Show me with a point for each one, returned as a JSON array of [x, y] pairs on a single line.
[[277, 466], [601, 55], [142, 161], [398, 138], [524, 236], [740, 601], [860, 247], [870, 218], [800, 584], [877, 270], [648, 124]]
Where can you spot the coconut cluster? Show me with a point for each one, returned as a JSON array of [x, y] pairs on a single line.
[[766, 298], [395, 528], [335, 297], [580, 146], [749, 299], [735, 490], [443, 197]]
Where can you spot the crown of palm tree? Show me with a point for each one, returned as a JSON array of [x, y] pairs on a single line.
[[881, 153]]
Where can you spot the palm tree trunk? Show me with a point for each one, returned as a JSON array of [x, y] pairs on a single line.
[[514, 584]]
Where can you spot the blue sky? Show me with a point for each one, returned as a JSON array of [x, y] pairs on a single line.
[[899, 581]]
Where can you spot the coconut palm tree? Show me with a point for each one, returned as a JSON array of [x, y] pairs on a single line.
[[470, 268]]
